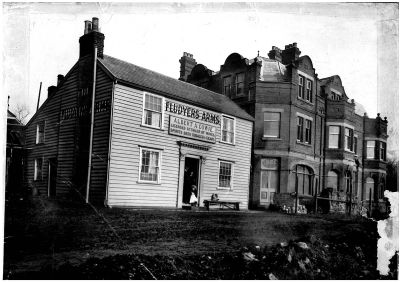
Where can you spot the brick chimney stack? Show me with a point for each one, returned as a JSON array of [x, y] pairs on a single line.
[[187, 64], [291, 53], [275, 54], [60, 78], [91, 37]]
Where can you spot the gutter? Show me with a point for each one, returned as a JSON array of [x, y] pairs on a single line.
[[91, 125]]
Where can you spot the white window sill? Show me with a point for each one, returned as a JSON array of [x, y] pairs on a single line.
[[224, 188], [271, 138], [305, 101], [152, 127], [228, 143], [148, 182]]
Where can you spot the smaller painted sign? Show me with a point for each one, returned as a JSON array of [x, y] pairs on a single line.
[[191, 129]]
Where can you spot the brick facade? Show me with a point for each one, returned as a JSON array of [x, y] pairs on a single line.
[[306, 115]]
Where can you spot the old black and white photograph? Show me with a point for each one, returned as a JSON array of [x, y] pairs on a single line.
[[200, 140]]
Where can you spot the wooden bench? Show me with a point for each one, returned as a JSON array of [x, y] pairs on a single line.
[[229, 204]]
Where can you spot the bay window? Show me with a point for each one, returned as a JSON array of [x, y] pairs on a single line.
[[272, 124]]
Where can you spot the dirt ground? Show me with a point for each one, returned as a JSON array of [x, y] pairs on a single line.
[[47, 239]]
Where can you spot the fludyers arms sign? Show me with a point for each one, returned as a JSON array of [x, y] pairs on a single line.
[[191, 112], [178, 125]]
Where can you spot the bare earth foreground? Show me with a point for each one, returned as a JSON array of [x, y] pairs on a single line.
[[47, 239]]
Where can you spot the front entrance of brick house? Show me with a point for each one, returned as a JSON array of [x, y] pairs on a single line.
[[191, 177], [269, 180]]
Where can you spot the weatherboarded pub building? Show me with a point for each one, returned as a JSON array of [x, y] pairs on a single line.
[[126, 136]]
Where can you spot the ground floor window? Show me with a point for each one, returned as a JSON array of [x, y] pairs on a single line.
[[269, 181], [304, 179], [348, 181], [149, 165], [38, 169], [225, 175]]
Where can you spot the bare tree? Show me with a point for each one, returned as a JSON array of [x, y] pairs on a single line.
[[21, 111]]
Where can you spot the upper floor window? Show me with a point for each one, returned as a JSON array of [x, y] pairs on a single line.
[[300, 124], [149, 165], [309, 90], [382, 151], [348, 139], [335, 96], [307, 137], [355, 140], [272, 124], [301, 87], [228, 130], [239, 84], [227, 85], [38, 169], [305, 88], [225, 175], [370, 149], [40, 132], [304, 126], [153, 111], [334, 132]]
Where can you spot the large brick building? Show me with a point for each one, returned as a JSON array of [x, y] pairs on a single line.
[[307, 134]]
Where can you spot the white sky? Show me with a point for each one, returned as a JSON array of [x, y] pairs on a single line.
[[41, 39]]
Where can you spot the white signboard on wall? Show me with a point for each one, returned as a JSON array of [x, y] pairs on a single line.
[[191, 129]]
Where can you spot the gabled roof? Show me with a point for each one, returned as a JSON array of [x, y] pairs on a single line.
[[172, 88]]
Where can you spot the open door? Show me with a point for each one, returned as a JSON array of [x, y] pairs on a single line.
[[191, 177]]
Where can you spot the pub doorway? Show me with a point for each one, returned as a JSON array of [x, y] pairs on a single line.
[[191, 177]]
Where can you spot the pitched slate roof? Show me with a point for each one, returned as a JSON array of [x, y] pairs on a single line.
[[171, 88]]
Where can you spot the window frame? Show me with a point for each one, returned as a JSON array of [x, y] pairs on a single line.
[[159, 151], [300, 91], [355, 144], [336, 134], [230, 188], [228, 86], [382, 146], [308, 90], [308, 135], [348, 139], [300, 129], [162, 111], [279, 124], [367, 156], [38, 127], [238, 83], [37, 177], [234, 129]]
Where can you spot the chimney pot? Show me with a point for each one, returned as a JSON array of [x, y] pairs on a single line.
[[95, 24], [60, 78], [51, 90], [88, 27], [294, 44]]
